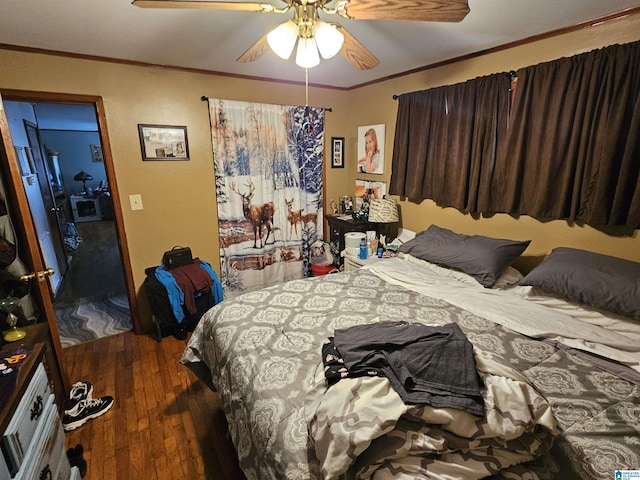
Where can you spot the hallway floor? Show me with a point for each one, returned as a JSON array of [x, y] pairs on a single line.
[[95, 270], [92, 300]]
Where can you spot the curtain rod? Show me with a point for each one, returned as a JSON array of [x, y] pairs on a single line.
[[512, 75], [206, 99]]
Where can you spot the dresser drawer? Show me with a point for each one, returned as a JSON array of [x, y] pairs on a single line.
[[46, 457], [26, 419], [4, 468], [63, 472]]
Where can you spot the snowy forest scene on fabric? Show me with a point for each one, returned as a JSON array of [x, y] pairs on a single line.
[[268, 163]]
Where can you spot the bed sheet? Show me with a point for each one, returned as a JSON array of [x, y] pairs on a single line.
[[533, 319]]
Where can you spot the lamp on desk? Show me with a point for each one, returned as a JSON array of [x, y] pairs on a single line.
[[83, 176], [385, 212]]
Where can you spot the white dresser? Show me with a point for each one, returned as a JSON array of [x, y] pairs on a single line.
[[85, 208], [33, 439]]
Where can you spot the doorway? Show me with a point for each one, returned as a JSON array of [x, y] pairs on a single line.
[[95, 297]]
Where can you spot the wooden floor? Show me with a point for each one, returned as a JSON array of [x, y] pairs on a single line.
[[165, 424]]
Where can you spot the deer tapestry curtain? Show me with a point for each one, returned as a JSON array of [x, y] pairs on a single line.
[[268, 169]]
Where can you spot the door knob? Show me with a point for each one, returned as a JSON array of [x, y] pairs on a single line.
[[41, 275]]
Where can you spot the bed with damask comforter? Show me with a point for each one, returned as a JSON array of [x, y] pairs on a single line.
[[561, 393]]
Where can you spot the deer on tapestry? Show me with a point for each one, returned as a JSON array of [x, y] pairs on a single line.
[[294, 217], [309, 218], [258, 215]]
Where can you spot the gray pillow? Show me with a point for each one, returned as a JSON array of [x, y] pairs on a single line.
[[593, 279], [484, 258]]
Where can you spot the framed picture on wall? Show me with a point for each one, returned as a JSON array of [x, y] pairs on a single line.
[[96, 153], [337, 152], [367, 191], [163, 142], [371, 149]]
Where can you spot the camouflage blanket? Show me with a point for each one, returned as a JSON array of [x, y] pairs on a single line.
[[361, 428]]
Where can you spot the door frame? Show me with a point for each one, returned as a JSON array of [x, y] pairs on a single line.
[[21, 201]]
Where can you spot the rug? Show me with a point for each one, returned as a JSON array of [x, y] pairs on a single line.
[[89, 319]]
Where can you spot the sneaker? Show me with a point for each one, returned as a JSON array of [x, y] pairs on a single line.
[[80, 391], [84, 411]]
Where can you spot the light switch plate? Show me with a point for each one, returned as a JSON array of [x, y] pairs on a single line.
[[135, 201]]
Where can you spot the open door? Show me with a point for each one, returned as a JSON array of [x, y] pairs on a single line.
[[12, 164], [49, 234], [35, 271]]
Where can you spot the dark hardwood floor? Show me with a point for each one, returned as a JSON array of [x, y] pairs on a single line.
[[165, 423]]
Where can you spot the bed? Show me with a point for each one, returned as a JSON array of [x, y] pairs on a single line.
[[560, 379]]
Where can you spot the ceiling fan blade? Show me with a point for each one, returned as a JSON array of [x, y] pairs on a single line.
[[255, 51], [421, 10], [205, 4], [355, 52]]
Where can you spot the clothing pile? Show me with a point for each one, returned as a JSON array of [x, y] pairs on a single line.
[[425, 365], [72, 238], [179, 296]]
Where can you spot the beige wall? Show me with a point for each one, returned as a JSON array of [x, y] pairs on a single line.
[[375, 104], [179, 197]]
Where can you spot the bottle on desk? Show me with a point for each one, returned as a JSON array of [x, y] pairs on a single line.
[[364, 249]]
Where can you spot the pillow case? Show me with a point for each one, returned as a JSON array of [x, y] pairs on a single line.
[[509, 278], [593, 279], [484, 258]]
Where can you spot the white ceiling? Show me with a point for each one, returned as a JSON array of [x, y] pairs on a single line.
[[212, 39]]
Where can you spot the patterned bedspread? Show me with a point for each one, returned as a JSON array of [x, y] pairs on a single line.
[[261, 351]]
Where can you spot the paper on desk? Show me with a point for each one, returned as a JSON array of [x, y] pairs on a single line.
[[404, 235]]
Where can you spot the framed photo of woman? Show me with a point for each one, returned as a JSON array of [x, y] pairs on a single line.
[[371, 149]]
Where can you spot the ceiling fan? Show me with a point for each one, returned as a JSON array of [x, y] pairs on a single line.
[[313, 34]]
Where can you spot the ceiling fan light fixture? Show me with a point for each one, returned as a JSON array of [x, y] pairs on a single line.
[[307, 53], [282, 39], [328, 39]]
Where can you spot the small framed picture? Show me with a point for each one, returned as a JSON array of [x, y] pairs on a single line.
[[25, 167], [337, 152], [163, 142], [346, 205], [96, 153]]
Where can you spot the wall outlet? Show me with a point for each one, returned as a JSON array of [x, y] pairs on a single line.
[[135, 201]]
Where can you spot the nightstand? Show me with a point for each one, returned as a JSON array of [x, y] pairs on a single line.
[[85, 208], [341, 224], [352, 262]]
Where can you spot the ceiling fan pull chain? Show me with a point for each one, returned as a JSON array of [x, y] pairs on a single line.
[[307, 125], [306, 86]]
